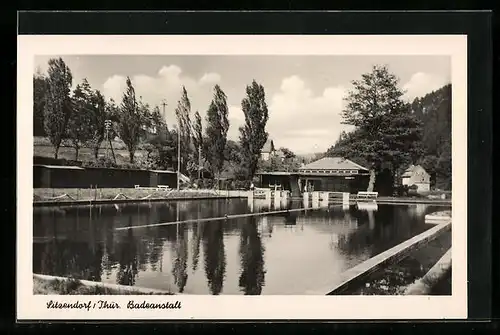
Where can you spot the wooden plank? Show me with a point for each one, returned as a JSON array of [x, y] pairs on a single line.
[[226, 217]]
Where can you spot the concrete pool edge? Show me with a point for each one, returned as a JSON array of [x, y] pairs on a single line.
[[128, 201], [425, 284], [361, 271], [122, 201]]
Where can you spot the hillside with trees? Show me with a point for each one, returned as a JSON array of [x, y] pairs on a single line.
[[434, 111], [390, 134]]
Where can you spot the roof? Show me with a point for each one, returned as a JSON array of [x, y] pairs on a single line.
[[163, 171], [275, 173], [268, 146], [412, 168], [66, 167], [333, 163]]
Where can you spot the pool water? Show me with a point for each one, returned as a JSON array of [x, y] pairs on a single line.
[[286, 253]]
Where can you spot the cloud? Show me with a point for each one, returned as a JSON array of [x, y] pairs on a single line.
[[422, 83], [166, 85], [209, 78], [303, 121], [236, 120]]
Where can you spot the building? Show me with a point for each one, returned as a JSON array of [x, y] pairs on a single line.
[[416, 175], [332, 174], [268, 150]]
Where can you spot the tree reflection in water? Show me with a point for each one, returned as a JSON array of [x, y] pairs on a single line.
[[215, 255], [127, 258], [67, 252], [252, 258], [179, 269], [195, 243]]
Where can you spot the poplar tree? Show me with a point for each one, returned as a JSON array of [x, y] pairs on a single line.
[[182, 112], [57, 107], [129, 120], [216, 131], [253, 133], [198, 138]]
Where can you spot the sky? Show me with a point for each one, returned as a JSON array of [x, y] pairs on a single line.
[[304, 94]]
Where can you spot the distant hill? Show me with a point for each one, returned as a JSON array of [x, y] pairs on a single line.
[[434, 110]]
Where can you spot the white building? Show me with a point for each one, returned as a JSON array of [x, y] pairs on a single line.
[[267, 150], [416, 175]]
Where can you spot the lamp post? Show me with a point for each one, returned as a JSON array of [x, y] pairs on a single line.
[[199, 162], [107, 126]]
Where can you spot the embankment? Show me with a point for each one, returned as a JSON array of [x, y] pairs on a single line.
[[52, 285], [73, 196]]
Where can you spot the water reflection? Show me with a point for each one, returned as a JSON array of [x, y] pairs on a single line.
[[179, 269], [215, 256], [286, 253], [127, 258], [252, 258]]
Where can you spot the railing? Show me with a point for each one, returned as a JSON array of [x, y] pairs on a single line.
[[367, 195]]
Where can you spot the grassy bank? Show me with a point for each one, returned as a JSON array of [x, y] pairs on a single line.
[[86, 154], [72, 286], [72, 194]]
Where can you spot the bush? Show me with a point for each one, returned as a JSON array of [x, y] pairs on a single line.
[[242, 184], [40, 160], [102, 162], [206, 183], [402, 191]]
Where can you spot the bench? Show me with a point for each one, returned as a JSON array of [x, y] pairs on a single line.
[[367, 195], [163, 187]]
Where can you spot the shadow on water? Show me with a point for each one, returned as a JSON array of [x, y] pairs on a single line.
[[287, 253]]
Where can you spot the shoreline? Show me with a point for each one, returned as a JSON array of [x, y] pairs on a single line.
[[121, 201], [50, 285], [66, 199]]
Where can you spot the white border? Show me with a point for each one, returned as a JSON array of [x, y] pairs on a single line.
[[31, 306]]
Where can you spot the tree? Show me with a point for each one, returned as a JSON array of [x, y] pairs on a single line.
[[39, 96], [387, 135], [198, 138], [287, 153], [253, 133], [434, 111], [130, 120], [182, 113], [216, 131], [57, 107], [79, 129], [97, 119]]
